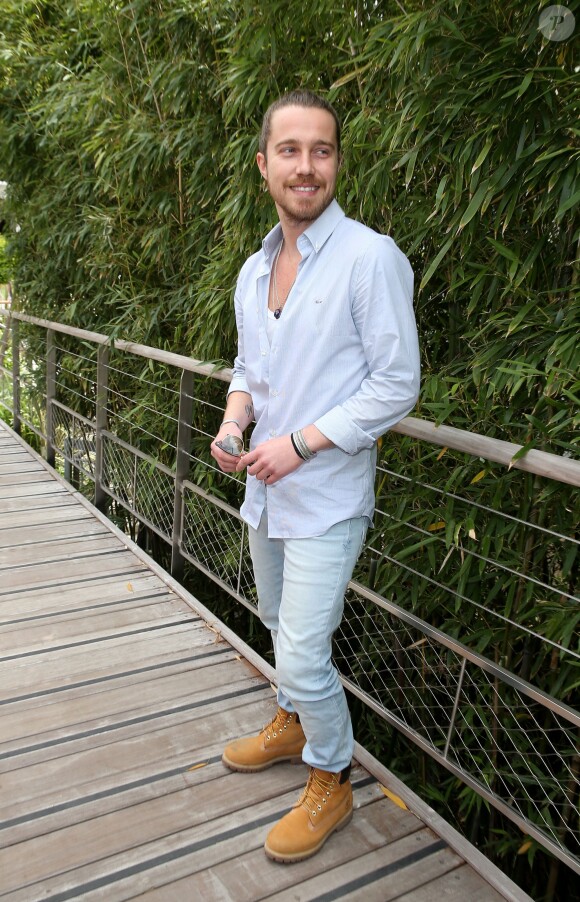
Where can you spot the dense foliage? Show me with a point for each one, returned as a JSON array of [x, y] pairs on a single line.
[[128, 138]]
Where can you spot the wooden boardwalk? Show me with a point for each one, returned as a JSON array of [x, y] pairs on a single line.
[[116, 699]]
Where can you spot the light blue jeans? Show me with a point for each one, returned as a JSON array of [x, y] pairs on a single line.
[[301, 585]]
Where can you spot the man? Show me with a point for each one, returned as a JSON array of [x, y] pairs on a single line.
[[327, 362]]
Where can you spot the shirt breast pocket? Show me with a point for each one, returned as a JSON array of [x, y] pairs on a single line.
[[332, 317]]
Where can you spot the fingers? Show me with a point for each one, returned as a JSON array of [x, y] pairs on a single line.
[[255, 466], [268, 462], [228, 463], [271, 460], [224, 463], [260, 465]]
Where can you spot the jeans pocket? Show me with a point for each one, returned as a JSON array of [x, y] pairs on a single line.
[[353, 526], [363, 537]]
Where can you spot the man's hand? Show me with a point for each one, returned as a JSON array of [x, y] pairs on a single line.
[[270, 460], [228, 463]]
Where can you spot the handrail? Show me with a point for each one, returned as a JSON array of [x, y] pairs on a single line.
[[539, 463], [169, 357]]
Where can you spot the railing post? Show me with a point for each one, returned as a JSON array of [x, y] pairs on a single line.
[[101, 496], [181, 467], [50, 394], [16, 422]]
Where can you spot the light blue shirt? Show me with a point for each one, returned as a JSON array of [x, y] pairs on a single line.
[[344, 356]]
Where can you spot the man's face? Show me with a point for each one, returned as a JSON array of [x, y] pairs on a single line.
[[301, 163]]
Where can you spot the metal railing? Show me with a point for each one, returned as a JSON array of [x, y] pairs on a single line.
[[484, 689]]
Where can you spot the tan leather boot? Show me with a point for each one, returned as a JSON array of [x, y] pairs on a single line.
[[324, 806], [281, 740]]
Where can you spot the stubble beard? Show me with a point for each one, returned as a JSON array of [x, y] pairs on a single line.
[[296, 217]]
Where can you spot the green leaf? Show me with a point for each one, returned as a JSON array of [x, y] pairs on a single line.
[[572, 201], [474, 205], [435, 263], [482, 155], [526, 81], [503, 250]]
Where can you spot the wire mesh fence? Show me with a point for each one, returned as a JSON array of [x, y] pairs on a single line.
[[74, 439], [214, 539], [143, 486], [515, 745], [6, 388]]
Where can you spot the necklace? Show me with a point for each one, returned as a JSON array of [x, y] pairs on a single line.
[[279, 304]]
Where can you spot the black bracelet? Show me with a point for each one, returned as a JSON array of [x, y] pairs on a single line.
[[295, 446]]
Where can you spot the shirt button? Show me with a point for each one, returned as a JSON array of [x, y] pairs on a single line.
[[263, 353], [273, 433], [274, 393]]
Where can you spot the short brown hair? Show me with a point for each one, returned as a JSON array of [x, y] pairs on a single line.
[[296, 98]]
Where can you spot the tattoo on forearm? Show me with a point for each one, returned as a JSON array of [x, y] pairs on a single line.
[[250, 410]]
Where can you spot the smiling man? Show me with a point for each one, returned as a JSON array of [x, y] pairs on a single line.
[[327, 362]]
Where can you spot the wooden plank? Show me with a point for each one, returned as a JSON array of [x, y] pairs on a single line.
[[37, 535], [125, 770], [8, 443], [239, 870], [62, 717], [39, 488], [380, 875], [61, 572], [458, 886], [47, 516], [58, 625], [119, 566], [21, 464], [25, 478], [138, 836], [64, 621], [96, 628], [72, 549], [11, 451], [60, 499], [85, 594], [224, 698], [122, 659]]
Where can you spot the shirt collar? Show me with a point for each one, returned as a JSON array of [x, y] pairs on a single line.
[[322, 228], [315, 236]]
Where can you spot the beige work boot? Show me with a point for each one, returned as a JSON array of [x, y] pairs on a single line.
[[324, 806], [281, 740]]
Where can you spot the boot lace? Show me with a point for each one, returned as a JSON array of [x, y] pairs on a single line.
[[317, 792], [280, 722]]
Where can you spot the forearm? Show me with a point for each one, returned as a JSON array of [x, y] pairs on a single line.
[[238, 415], [240, 408], [315, 439]]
